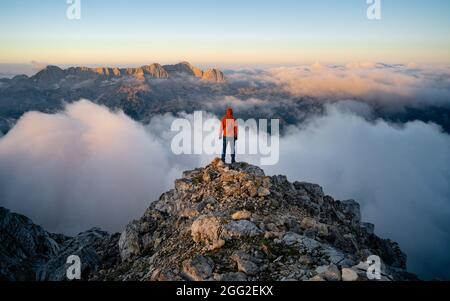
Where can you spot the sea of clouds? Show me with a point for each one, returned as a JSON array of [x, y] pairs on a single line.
[[392, 85]]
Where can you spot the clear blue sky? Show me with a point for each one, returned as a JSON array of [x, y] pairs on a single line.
[[224, 32]]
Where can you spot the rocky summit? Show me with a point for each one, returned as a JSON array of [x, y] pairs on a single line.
[[222, 222]]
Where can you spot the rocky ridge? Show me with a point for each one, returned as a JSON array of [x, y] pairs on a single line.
[[28, 252], [221, 222], [140, 92]]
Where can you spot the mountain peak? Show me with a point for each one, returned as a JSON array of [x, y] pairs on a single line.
[[232, 222], [214, 75], [49, 73], [220, 222], [156, 70], [51, 69], [183, 69]]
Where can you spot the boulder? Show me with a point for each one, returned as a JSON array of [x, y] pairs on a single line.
[[263, 192], [300, 240], [368, 228], [334, 255], [198, 268], [241, 215], [216, 245], [329, 273], [352, 209], [245, 263], [309, 223], [240, 229], [349, 275], [206, 229]]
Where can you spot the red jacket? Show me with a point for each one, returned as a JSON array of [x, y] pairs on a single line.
[[229, 127]]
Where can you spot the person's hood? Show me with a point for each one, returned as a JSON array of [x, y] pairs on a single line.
[[229, 113]]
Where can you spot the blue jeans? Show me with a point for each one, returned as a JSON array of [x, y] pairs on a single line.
[[232, 142]]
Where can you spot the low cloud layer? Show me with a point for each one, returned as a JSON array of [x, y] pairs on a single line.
[[81, 168], [382, 84], [88, 166]]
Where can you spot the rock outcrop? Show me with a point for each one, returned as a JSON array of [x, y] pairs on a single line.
[[213, 75], [183, 69], [156, 70], [28, 252], [231, 222], [221, 222]]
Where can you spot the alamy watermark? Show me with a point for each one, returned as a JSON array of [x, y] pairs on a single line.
[[73, 11], [202, 136], [73, 272], [374, 9], [374, 269]]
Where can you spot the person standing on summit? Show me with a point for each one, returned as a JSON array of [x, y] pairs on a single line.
[[229, 134]]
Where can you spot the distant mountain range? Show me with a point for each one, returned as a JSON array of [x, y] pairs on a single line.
[[140, 91], [53, 74]]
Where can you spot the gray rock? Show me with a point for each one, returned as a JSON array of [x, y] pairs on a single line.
[[130, 241], [28, 252], [84, 246], [292, 238], [329, 273], [301, 240], [335, 256], [245, 263], [368, 227], [242, 228], [309, 223], [24, 246], [247, 168], [198, 268], [263, 192], [352, 208], [314, 189], [206, 229], [239, 277]]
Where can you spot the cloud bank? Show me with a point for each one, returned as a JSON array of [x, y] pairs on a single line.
[[84, 167], [376, 83]]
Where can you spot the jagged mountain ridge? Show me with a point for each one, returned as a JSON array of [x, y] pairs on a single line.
[[30, 253], [140, 92], [52, 74], [221, 222]]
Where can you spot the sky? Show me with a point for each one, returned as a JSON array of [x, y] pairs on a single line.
[[224, 33]]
